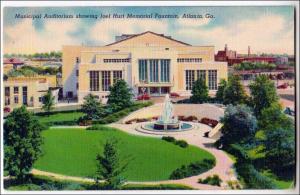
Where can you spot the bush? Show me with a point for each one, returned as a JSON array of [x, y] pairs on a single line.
[[168, 138], [100, 127], [209, 122], [192, 169], [214, 180], [155, 187], [181, 143]]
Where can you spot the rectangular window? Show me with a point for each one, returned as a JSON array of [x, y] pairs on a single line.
[[165, 70], [201, 74], [143, 71], [77, 73], [77, 85], [153, 70], [16, 90], [16, 99], [117, 75], [94, 80], [105, 80], [24, 89], [77, 59], [189, 79], [212, 80], [7, 96]]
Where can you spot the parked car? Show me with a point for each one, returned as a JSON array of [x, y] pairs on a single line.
[[173, 95], [283, 86], [6, 109], [143, 97]]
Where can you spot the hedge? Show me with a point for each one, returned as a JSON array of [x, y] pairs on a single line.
[[251, 177], [114, 117], [192, 169]]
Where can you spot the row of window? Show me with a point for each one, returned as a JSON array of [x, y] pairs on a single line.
[[16, 96], [192, 75], [105, 79], [189, 59], [154, 70], [116, 60]]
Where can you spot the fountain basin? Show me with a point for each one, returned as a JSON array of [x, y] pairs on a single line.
[[169, 127]]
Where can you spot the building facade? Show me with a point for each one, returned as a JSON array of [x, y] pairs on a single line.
[[28, 91], [148, 62]]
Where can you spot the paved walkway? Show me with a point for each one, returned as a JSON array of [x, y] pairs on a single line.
[[223, 168]]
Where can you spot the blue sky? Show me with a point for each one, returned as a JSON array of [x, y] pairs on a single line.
[[267, 29]]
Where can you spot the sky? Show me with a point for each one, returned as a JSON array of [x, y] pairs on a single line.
[[266, 29]]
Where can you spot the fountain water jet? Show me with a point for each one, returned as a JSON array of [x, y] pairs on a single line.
[[167, 121]]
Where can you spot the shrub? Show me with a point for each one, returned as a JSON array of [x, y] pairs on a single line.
[[209, 122], [84, 121], [181, 143], [192, 169], [214, 180], [168, 138], [100, 127]]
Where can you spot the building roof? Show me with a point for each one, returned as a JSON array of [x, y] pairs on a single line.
[[160, 35], [12, 61]]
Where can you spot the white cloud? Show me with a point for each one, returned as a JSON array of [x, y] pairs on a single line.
[[264, 34], [105, 30], [23, 37], [193, 22]]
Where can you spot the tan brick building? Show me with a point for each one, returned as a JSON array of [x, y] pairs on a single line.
[[148, 60]]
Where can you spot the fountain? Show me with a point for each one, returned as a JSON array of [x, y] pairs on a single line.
[[167, 121]]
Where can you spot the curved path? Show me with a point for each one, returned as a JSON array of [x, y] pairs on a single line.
[[224, 165]]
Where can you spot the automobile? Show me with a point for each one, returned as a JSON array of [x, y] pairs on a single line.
[[143, 97], [283, 86], [173, 94], [6, 109]]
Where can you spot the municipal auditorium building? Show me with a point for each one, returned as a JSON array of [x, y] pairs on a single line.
[[150, 62]]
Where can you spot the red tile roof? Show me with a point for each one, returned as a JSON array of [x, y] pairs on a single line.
[[12, 61]]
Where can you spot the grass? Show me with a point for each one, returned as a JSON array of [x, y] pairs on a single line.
[[280, 183], [47, 183], [73, 152], [256, 152], [60, 117]]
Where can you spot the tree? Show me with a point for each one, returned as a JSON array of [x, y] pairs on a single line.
[[92, 107], [22, 142], [199, 92], [221, 89], [48, 101], [263, 93], [239, 124], [234, 92], [120, 96], [110, 166], [273, 118], [280, 151]]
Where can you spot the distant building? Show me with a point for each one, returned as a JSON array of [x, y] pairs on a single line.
[[11, 63], [28, 91], [232, 57]]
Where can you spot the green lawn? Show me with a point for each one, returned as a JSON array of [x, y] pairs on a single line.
[[280, 183], [59, 117], [73, 152]]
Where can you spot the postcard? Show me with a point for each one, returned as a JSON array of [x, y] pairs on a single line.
[[182, 97]]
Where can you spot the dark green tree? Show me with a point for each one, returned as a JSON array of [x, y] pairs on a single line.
[[120, 96], [92, 107], [280, 151], [221, 89], [273, 118], [110, 166], [234, 92], [199, 92], [263, 93], [48, 102], [22, 142], [239, 125]]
